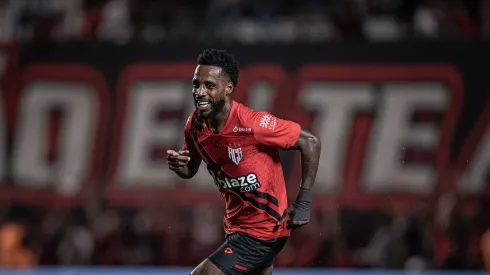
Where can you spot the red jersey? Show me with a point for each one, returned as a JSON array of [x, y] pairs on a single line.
[[243, 159]]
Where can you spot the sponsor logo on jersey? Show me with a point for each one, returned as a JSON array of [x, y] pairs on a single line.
[[268, 122], [238, 129], [246, 183]]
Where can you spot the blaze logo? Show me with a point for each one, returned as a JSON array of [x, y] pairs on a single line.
[[228, 250], [247, 183], [237, 129]]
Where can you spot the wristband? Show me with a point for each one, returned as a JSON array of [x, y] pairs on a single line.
[[302, 205]]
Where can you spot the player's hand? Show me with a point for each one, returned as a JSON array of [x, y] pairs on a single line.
[[294, 221], [177, 160], [299, 212]]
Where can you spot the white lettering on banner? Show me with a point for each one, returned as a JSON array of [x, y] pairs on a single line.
[[79, 107], [474, 178], [374, 164], [142, 132], [392, 132], [336, 105]]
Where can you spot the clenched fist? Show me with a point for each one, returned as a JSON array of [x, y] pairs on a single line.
[[177, 160]]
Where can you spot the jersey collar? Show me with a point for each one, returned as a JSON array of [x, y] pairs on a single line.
[[230, 119]]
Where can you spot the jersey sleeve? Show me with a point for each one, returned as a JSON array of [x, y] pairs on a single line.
[[188, 142], [272, 131]]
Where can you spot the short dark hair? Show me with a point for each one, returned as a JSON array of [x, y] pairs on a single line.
[[222, 59]]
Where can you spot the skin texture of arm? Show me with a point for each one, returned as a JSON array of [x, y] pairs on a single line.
[[310, 147]]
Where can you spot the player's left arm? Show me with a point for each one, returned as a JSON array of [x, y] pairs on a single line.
[[309, 146], [272, 131]]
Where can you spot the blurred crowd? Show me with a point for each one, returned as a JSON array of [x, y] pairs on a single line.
[[442, 236], [241, 21]]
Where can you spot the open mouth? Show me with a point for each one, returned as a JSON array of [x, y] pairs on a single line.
[[203, 104]]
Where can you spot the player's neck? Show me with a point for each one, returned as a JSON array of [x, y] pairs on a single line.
[[219, 121]]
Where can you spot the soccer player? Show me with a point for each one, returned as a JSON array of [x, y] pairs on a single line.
[[241, 149]]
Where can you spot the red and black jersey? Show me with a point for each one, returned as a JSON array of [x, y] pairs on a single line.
[[243, 159]]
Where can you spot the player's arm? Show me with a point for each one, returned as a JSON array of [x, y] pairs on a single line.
[[284, 134], [183, 164], [309, 146]]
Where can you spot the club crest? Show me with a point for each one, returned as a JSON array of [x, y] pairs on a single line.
[[235, 153]]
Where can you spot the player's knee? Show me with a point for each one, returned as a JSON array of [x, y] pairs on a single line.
[[196, 271], [200, 271]]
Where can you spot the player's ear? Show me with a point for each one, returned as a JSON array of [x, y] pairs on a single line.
[[229, 88]]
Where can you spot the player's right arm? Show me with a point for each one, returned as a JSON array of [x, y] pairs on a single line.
[[185, 163], [182, 164]]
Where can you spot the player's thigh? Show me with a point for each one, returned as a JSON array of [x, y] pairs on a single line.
[[206, 267]]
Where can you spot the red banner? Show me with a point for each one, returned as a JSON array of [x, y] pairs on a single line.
[[386, 131]]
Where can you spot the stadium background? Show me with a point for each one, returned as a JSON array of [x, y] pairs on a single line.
[[94, 92]]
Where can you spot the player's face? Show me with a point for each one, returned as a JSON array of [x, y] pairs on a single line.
[[209, 87]]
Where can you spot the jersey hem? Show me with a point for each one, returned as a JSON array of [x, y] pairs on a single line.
[[294, 137]]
